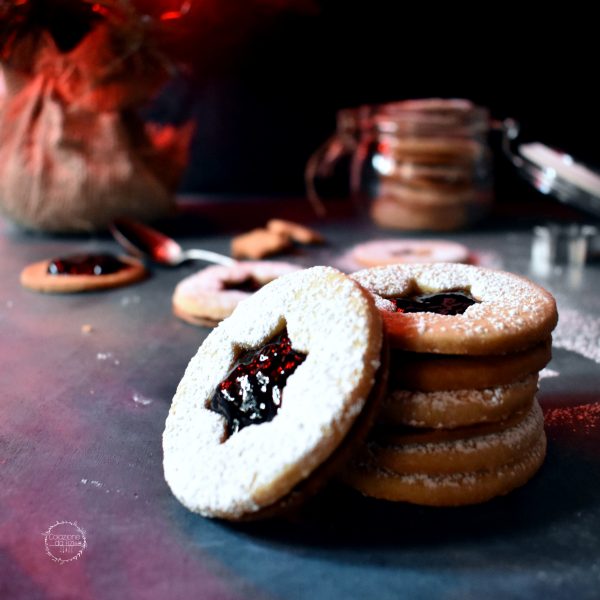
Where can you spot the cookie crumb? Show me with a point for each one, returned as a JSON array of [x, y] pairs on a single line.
[[259, 243], [295, 231]]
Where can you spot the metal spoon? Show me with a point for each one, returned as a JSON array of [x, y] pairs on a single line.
[[143, 241]]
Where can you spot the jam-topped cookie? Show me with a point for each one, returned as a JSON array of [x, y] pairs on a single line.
[[273, 396], [390, 252], [459, 309], [210, 295], [81, 273]]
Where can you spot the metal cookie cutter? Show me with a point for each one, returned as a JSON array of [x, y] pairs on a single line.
[[559, 248]]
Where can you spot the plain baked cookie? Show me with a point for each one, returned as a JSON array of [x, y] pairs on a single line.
[[456, 408], [219, 469], [426, 472], [210, 295], [439, 372], [38, 278], [391, 213], [509, 313]]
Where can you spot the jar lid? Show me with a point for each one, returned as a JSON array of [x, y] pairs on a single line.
[[553, 172]]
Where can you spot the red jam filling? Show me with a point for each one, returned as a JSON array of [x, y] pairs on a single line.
[[86, 264], [252, 392], [249, 284], [448, 303]]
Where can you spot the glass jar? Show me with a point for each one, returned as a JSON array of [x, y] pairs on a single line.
[[414, 165]]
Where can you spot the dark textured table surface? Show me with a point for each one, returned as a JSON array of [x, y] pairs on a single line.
[[81, 418]]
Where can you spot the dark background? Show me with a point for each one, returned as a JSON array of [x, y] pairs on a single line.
[[264, 86]]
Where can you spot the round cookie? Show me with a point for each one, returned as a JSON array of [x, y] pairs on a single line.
[[432, 151], [510, 313], [37, 278], [448, 409], [451, 468], [433, 197], [461, 450], [449, 177], [455, 489], [388, 252], [438, 372], [210, 295], [218, 471]]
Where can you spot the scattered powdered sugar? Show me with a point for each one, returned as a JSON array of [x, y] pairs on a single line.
[[108, 356], [98, 484], [93, 482], [140, 399], [127, 300], [547, 373], [578, 333]]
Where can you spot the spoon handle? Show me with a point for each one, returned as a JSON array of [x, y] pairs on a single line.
[[208, 256]]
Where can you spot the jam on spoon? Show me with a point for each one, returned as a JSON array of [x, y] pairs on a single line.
[[251, 392], [447, 303], [86, 264]]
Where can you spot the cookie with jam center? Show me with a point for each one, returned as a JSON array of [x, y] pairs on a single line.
[[276, 393], [81, 273], [211, 294], [448, 308]]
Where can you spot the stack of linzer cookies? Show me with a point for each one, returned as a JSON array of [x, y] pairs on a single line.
[[460, 423], [297, 387]]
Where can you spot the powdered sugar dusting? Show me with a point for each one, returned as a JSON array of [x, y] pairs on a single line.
[[578, 333]]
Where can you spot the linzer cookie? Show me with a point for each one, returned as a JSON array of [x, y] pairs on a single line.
[[210, 295], [82, 273], [390, 252], [275, 397], [460, 309]]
